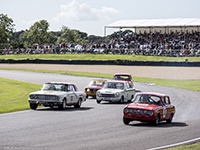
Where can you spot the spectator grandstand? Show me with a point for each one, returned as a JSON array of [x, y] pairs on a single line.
[[165, 37]]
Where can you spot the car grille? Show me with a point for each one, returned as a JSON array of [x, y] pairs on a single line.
[[108, 95], [44, 97]]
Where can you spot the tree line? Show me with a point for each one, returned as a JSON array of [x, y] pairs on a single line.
[[39, 33]]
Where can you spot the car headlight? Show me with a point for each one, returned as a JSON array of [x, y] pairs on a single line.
[[117, 94], [98, 93], [148, 112], [126, 110], [88, 90], [33, 96]]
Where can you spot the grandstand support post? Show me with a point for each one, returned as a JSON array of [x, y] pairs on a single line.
[[120, 33], [184, 33], [105, 33]]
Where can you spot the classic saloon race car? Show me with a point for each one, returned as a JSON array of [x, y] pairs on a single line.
[[93, 86], [119, 91], [149, 107], [123, 77], [58, 94]]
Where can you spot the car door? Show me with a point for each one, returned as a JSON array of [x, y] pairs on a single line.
[[71, 94], [168, 106], [129, 91]]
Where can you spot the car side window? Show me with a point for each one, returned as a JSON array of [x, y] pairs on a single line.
[[128, 85], [166, 100], [70, 88]]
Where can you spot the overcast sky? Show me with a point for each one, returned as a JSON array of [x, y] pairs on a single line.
[[91, 16]]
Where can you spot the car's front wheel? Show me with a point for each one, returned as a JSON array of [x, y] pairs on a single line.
[[33, 106], [157, 120], [121, 100], [63, 105], [126, 121], [98, 101]]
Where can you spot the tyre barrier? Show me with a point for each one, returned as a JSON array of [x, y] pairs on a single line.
[[102, 62]]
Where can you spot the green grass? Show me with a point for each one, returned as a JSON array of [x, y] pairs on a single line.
[[14, 95], [193, 85], [187, 147], [69, 56]]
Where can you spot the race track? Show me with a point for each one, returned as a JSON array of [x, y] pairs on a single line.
[[95, 126]]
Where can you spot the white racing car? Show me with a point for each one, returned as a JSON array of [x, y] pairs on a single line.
[[58, 94], [119, 91]]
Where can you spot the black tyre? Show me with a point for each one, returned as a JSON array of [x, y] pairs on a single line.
[[63, 105], [33, 106], [121, 100], [98, 101], [157, 120], [126, 121], [170, 119], [78, 105], [131, 99]]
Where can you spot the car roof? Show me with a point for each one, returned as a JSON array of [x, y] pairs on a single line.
[[122, 74], [153, 93], [102, 80], [119, 81], [64, 83]]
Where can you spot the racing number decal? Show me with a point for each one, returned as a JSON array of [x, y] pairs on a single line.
[[164, 112]]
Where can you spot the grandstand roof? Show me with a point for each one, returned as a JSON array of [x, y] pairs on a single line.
[[158, 24], [143, 23]]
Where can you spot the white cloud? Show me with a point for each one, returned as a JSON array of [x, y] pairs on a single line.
[[75, 11]]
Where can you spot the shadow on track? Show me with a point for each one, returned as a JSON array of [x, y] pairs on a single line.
[[160, 125], [68, 109]]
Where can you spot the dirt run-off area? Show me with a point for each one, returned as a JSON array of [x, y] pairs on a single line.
[[177, 73]]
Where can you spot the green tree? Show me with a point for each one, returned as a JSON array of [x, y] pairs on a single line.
[[37, 34], [6, 27], [71, 36]]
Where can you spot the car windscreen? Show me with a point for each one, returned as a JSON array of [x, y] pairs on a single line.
[[147, 99], [54, 87], [122, 77], [97, 83], [114, 85]]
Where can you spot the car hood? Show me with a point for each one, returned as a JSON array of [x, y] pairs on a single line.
[[48, 92], [93, 87], [110, 91], [142, 106]]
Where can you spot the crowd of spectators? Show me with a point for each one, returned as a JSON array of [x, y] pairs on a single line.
[[174, 44]]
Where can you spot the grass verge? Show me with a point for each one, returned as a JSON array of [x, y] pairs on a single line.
[[14, 95], [69, 56], [193, 85]]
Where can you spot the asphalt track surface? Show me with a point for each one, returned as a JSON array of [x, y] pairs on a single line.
[[95, 126]]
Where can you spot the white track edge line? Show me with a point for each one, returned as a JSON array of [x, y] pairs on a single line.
[[173, 145]]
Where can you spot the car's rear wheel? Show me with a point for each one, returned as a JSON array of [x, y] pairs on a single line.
[[170, 119], [78, 105], [33, 106], [126, 121]]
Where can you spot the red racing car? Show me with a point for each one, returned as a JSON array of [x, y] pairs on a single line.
[[123, 77], [149, 107]]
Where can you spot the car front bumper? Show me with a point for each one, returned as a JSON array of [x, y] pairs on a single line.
[[110, 99], [44, 102], [139, 117]]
